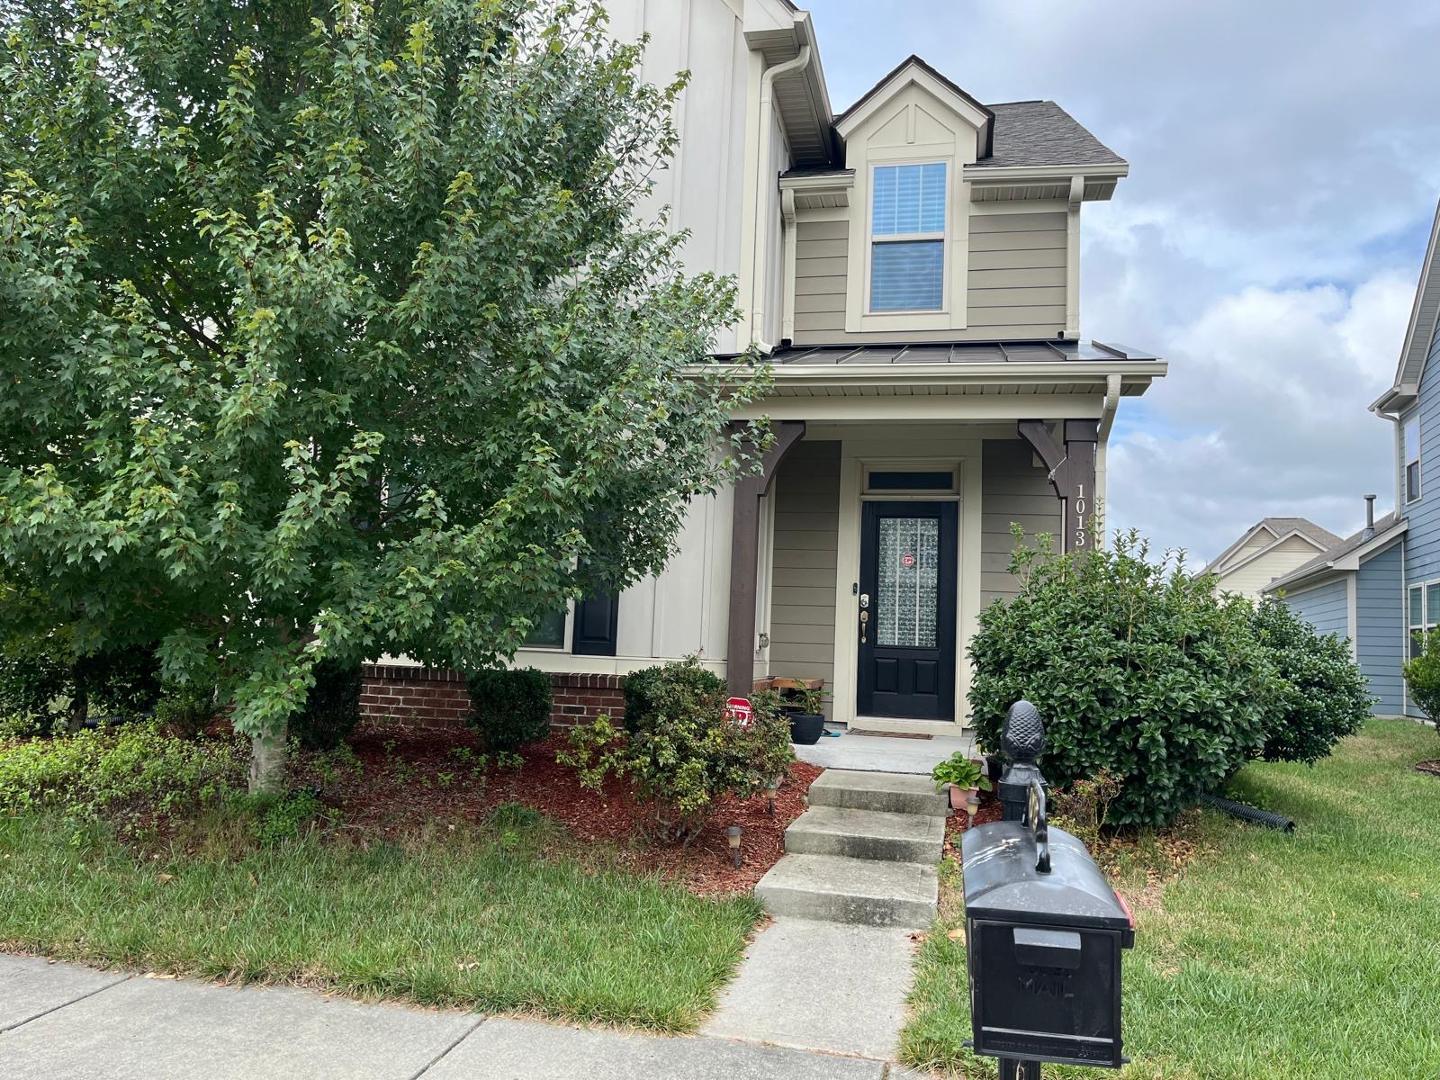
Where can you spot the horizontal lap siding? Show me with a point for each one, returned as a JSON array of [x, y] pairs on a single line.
[[1380, 628], [806, 505], [1422, 540], [1326, 608], [1016, 279], [1013, 489]]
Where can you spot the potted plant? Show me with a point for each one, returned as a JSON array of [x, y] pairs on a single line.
[[807, 716], [962, 776]]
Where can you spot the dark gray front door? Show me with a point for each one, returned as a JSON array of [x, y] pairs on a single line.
[[906, 628]]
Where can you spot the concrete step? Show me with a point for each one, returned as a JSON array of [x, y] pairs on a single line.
[[839, 889], [888, 793], [866, 834]]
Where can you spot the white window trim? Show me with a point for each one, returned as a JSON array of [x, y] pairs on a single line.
[[1406, 459], [943, 236], [1429, 620], [566, 638]]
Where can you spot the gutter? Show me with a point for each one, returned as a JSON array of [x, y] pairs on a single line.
[[1002, 373]]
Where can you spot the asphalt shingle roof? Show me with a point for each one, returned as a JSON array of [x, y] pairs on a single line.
[[1340, 549], [1042, 133]]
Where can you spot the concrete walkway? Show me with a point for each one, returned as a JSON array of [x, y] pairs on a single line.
[[884, 753], [61, 1022], [825, 986]]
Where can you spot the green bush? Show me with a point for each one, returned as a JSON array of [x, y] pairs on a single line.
[[681, 752], [135, 769], [1422, 676], [43, 680], [1319, 695], [332, 708], [186, 711], [510, 708], [1138, 668]]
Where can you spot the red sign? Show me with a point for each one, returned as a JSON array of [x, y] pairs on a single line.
[[907, 559], [740, 710]]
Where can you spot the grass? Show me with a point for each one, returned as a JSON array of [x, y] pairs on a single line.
[[488, 919], [1312, 955]]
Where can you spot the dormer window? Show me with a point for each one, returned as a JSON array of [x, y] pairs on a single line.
[[907, 237]]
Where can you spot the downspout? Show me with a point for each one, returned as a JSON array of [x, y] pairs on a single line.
[[760, 251], [1108, 407]]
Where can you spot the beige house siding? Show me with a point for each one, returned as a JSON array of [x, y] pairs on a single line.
[[1253, 576], [1016, 280], [806, 503], [1013, 489]]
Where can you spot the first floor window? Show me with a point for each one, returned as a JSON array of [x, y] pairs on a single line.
[[548, 632], [1423, 611], [907, 238]]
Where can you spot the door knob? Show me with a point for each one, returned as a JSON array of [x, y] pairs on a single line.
[[864, 619]]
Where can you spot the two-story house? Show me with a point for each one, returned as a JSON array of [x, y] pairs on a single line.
[[910, 267], [1269, 549], [1380, 588]]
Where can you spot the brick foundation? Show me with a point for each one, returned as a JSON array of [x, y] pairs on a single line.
[[431, 697]]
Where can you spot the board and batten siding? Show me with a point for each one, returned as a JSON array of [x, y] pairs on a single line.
[[1380, 628], [1016, 280], [1325, 607], [806, 504], [1013, 489]]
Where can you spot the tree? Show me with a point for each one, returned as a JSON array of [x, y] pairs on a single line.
[[327, 332]]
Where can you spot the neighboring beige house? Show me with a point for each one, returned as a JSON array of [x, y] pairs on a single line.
[[910, 268], [1270, 549]]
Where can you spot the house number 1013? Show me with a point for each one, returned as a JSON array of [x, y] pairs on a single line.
[[1078, 506]]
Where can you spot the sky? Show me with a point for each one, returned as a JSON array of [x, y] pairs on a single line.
[[1284, 173]]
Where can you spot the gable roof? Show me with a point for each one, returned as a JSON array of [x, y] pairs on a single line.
[[1042, 133], [1279, 528], [1347, 554], [907, 70], [1424, 319]]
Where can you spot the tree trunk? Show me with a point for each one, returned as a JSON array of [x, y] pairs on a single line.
[[267, 763]]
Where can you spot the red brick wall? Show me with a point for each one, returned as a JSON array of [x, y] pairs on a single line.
[[430, 697]]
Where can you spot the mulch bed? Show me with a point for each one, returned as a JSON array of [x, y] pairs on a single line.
[[956, 824], [1431, 767], [412, 780]]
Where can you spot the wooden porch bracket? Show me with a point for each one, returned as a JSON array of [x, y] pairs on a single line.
[[744, 557], [1072, 473]]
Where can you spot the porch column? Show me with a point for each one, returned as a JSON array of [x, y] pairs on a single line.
[[1072, 473], [744, 556]]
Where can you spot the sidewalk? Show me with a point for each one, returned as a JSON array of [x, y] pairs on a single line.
[[62, 1022]]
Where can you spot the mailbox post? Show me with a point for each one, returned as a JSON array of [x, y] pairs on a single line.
[[1044, 929]]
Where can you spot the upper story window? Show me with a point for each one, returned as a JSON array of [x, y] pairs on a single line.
[[907, 238], [1410, 437]]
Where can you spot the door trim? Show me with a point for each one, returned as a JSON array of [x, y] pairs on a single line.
[[909, 446]]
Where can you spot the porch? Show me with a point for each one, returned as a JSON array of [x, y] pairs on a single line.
[[881, 525]]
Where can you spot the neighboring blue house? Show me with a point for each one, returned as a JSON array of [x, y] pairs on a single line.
[[1380, 588]]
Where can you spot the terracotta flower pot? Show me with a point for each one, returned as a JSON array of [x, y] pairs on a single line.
[[960, 796]]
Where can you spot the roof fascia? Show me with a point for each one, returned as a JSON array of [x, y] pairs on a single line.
[[1238, 544], [1418, 337], [1314, 579], [1133, 373], [1271, 547], [981, 171], [1353, 559]]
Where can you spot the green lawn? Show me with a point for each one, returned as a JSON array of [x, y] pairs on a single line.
[[1314, 955], [485, 920]]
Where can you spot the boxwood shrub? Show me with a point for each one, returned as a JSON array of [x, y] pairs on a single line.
[[1319, 696], [1138, 668], [510, 708]]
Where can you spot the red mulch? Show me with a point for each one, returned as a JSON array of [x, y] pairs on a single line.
[[1432, 767], [412, 780], [956, 824]]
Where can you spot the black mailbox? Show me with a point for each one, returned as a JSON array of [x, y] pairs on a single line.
[[1044, 929], [1044, 948]]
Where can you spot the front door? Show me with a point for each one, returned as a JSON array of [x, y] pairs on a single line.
[[906, 626]]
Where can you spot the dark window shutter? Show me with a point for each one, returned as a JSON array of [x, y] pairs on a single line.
[[596, 620]]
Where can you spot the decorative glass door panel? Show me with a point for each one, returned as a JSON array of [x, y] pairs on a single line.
[[906, 610]]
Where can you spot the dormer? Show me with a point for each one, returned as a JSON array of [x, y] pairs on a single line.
[[950, 220]]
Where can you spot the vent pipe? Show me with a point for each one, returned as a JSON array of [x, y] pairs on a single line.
[[1369, 516]]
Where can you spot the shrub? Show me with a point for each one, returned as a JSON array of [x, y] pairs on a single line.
[[135, 769], [332, 708], [42, 679], [1319, 695], [682, 753], [1422, 676], [186, 711], [1137, 667], [510, 708]]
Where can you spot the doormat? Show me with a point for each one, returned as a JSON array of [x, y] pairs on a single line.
[[891, 734]]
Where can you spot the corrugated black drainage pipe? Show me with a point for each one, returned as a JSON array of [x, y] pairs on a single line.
[[1252, 814]]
